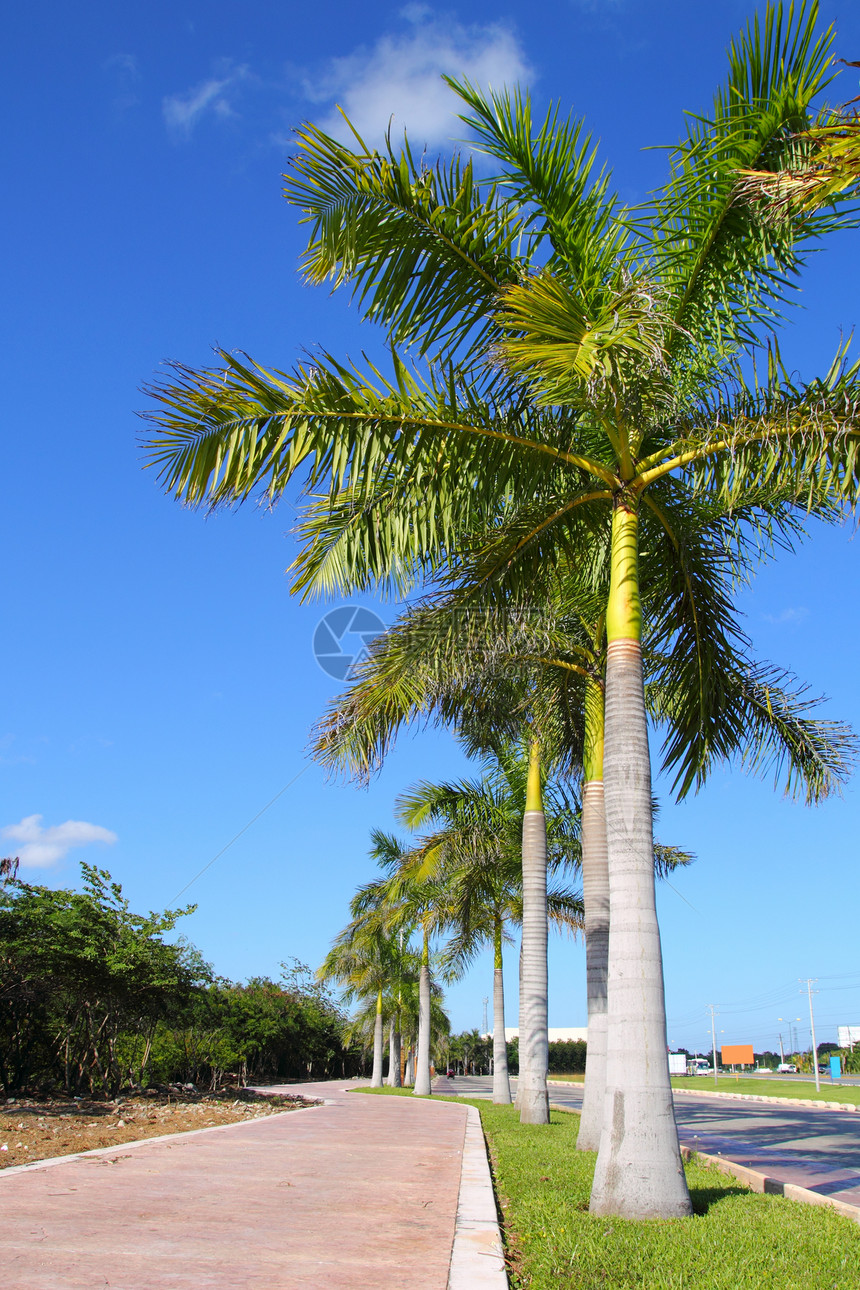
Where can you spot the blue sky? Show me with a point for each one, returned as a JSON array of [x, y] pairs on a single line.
[[159, 680]]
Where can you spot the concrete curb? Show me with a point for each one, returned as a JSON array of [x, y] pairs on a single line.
[[477, 1259], [772, 1186], [122, 1147], [772, 1101], [757, 1181]]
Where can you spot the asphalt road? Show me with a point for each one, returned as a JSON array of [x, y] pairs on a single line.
[[814, 1148]]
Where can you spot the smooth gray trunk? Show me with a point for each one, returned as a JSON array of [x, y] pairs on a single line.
[[639, 1173], [595, 894], [532, 1090], [378, 1045], [501, 1080], [409, 1073], [397, 1076], [393, 1078], [422, 1062], [520, 1030]]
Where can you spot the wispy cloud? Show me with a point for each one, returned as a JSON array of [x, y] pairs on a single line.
[[123, 71], [214, 97], [11, 753], [399, 76], [38, 847], [792, 615]]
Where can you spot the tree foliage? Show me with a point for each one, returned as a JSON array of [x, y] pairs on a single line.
[[94, 997]]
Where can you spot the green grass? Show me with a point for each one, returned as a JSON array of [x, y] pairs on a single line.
[[736, 1240], [845, 1093]]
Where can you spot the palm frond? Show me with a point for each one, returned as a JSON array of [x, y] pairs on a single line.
[[423, 248], [731, 272], [551, 172]]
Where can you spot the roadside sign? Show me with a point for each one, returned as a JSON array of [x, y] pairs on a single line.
[[835, 1066], [737, 1055]]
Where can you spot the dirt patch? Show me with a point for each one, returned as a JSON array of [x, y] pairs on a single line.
[[37, 1130]]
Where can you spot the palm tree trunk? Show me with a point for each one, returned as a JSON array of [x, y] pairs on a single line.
[[501, 1081], [393, 1080], [534, 1099], [595, 894], [422, 1063], [409, 1074], [521, 1063], [378, 1043], [639, 1173], [398, 1058]]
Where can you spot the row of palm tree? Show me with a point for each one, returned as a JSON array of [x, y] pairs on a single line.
[[462, 878], [586, 419]]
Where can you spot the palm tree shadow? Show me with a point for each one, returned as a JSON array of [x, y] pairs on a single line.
[[703, 1198]]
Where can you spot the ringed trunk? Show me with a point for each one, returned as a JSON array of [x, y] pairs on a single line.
[[521, 1059], [378, 1044], [639, 1173], [501, 1079], [393, 1078], [533, 1098], [422, 1061], [595, 894]]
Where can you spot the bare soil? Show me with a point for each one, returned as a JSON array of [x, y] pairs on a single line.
[[37, 1129]]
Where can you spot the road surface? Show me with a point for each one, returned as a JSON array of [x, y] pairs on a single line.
[[817, 1149]]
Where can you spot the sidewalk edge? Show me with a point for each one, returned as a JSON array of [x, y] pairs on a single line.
[[477, 1258], [816, 1103], [772, 1186], [50, 1161]]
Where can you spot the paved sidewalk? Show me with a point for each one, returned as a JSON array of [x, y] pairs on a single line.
[[359, 1193]]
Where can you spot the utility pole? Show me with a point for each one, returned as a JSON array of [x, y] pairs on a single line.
[[713, 1039], [792, 1037], [781, 1053], [809, 983]]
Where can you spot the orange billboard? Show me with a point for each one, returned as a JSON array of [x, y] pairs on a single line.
[[737, 1055]]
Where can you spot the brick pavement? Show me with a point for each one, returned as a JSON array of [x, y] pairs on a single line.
[[359, 1193]]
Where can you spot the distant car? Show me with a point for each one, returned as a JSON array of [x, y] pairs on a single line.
[[786, 1068]]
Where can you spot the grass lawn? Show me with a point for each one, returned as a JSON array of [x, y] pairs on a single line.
[[848, 1093], [736, 1239]]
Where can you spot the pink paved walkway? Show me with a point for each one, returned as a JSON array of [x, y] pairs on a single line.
[[362, 1193]]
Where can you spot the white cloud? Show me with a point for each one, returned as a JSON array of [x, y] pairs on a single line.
[[40, 847], [124, 66], [400, 76], [182, 112], [792, 615], [123, 72]]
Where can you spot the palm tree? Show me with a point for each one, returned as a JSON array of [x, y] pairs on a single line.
[[437, 665], [361, 959], [624, 395], [399, 904], [370, 950], [825, 165], [476, 860]]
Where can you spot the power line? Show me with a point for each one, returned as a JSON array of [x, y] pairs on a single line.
[[244, 829]]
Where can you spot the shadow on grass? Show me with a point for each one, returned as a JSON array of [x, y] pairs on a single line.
[[704, 1197]]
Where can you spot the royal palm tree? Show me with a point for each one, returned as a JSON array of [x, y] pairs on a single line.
[[825, 165], [442, 665], [624, 394], [362, 960], [475, 858]]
